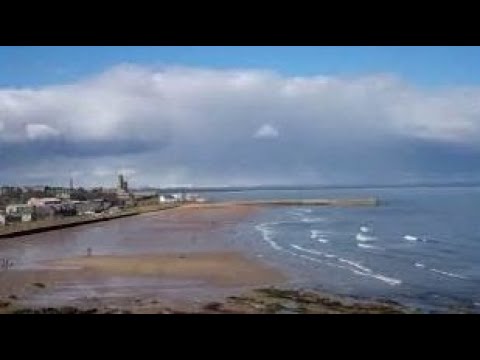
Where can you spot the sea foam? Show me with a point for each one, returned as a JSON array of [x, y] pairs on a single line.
[[317, 235], [268, 234], [364, 229], [362, 237], [448, 274], [367, 246], [354, 267]]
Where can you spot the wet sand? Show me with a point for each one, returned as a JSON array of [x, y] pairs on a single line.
[[173, 261], [183, 246], [222, 269]]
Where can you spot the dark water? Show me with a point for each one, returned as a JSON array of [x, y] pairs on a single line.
[[420, 247]]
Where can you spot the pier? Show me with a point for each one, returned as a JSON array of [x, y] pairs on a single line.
[[300, 202]]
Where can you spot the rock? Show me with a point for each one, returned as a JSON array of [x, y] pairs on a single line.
[[213, 306], [39, 285]]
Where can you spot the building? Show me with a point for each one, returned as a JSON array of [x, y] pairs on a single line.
[[45, 207], [44, 201], [122, 184], [10, 190], [19, 212], [3, 218], [92, 206], [194, 198], [180, 197], [122, 189], [167, 198], [58, 192], [28, 217], [18, 209], [145, 194]]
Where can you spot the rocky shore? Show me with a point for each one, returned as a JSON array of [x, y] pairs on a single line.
[[259, 301]]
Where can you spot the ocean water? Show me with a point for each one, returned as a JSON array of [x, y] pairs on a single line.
[[420, 247]]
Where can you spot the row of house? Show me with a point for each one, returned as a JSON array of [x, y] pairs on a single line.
[[42, 208], [180, 197]]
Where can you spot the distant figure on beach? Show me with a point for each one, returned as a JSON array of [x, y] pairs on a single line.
[[6, 264], [89, 252]]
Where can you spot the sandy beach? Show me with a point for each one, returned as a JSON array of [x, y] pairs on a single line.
[[174, 260]]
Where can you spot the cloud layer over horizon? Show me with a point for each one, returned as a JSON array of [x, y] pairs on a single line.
[[201, 126]]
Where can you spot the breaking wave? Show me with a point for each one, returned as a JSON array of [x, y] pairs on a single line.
[[318, 235], [367, 246], [353, 266], [312, 220], [362, 237], [364, 229], [268, 234], [448, 274]]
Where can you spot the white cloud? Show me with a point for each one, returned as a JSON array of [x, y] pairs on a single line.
[[40, 131], [266, 131], [181, 124]]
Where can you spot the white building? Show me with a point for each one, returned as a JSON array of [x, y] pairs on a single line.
[[166, 198], [44, 201], [27, 217], [18, 209]]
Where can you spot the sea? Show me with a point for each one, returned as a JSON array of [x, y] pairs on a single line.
[[420, 247]]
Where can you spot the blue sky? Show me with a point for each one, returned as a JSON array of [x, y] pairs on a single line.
[[421, 65], [239, 115]]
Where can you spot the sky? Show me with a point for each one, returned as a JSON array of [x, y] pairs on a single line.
[[209, 116]]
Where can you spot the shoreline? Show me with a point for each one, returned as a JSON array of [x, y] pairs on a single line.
[[260, 300], [232, 281], [35, 227]]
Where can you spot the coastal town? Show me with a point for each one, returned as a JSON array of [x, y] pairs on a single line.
[[42, 204]]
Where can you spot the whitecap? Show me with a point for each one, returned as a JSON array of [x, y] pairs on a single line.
[[312, 220], [268, 234], [354, 264], [355, 267], [317, 235], [367, 246], [413, 238], [300, 212], [420, 265], [386, 279], [363, 237], [298, 247], [448, 274], [364, 229]]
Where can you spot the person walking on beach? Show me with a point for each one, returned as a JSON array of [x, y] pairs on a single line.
[[89, 252]]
